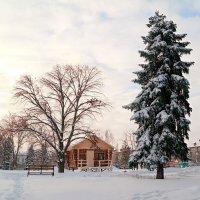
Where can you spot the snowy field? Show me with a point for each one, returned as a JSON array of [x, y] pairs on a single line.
[[183, 184]]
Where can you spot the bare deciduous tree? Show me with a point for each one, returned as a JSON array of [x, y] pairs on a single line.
[[130, 139], [109, 138], [57, 105], [43, 151], [128, 147]]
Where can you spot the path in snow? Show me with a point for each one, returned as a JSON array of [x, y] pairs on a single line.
[[12, 185]]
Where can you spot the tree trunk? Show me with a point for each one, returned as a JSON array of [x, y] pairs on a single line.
[[160, 171], [61, 167], [61, 163], [15, 162], [15, 156]]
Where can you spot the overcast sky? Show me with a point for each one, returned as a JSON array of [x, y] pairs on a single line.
[[35, 35]]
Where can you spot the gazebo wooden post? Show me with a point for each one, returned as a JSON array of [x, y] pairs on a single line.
[[78, 158], [108, 157]]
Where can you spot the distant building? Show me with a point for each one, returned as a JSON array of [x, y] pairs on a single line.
[[194, 154]]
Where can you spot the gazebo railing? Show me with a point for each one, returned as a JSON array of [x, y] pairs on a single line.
[[82, 163], [97, 163], [104, 163]]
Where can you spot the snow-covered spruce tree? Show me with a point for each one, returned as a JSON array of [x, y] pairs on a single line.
[[8, 153], [30, 158], [160, 109]]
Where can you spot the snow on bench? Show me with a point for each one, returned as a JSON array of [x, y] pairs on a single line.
[[40, 170]]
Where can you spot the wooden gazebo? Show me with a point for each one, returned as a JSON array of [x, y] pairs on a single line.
[[90, 154]]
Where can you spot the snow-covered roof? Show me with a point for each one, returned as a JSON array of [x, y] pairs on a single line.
[[91, 138]]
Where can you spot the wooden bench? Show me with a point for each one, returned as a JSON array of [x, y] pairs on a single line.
[[40, 170]]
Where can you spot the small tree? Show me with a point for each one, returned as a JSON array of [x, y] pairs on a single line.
[[160, 109], [43, 155], [8, 152], [124, 155], [1, 149], [30, 158], [58, 104]]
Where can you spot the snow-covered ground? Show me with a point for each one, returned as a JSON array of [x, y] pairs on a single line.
[[179, 184]]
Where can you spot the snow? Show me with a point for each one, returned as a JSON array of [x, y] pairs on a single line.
[[160, 81], [162, 118], [141, 114], [155, 92], [180, 184]]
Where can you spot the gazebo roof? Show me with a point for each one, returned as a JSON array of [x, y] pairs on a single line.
[[92, 142]]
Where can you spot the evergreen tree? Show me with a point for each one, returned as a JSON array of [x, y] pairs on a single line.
[[1, 150], [30, 159], [8, 152], [160, 109], [42, 156], [124, 156]]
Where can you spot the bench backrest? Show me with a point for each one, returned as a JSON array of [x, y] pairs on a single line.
[[40, 167]]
